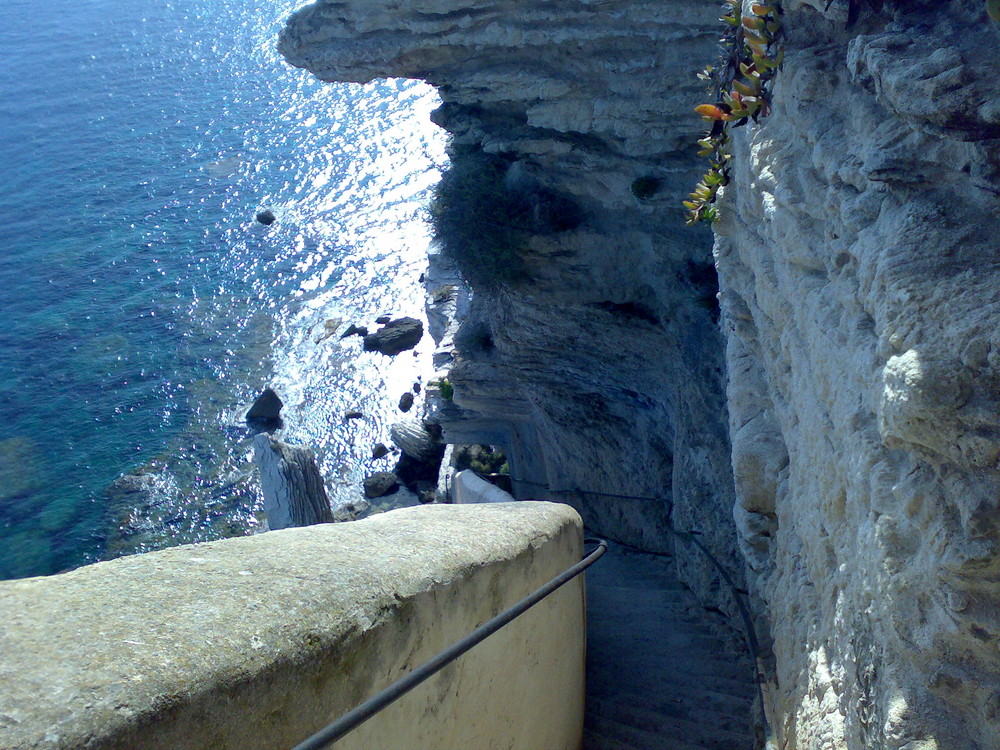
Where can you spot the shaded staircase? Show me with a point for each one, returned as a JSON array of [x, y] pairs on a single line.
[[657, 677]]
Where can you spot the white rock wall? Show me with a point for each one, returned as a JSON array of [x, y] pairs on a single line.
[[859, 258]]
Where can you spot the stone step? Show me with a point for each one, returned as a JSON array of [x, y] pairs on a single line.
[[595, 741], [707, 727], [658, 678], [737, 690], [678, 662], [608, 729], [681, 700]]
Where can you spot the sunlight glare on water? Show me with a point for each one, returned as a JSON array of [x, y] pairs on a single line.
[[146, 308]]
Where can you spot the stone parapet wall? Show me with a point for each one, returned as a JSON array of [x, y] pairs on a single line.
[[260, 641]]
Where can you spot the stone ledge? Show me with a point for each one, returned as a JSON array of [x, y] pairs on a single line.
[[257, 642]]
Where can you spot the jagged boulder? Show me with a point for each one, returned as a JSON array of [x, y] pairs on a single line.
[[395, 336], [267, 408]]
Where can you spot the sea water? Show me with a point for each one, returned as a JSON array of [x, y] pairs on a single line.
[[142, 307]]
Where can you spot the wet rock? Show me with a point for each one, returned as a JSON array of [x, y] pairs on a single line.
[[266, 409], [406, 401], [416, 387], [380, 451], [354, 330], [379, 484], [395, 336], [353, 415], [329, 329], [266, 217], [382, 319]]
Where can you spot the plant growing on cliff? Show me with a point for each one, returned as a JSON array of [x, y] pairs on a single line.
[[445, 388], [741, 83]]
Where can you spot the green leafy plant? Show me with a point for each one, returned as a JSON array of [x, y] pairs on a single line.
[[752, 54], [445, 388]]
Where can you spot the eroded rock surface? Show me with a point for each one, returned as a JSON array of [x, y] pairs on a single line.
[[859, 263]]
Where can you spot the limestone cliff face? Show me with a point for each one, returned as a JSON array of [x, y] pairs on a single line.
[[859, 265], [600, 371], [857, 372]]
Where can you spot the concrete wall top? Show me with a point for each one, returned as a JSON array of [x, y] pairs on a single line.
[[259, 641]]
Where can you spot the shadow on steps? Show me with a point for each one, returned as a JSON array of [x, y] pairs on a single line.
[[657, 677]]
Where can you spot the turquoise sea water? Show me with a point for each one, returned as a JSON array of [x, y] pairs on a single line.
[[142, 306]]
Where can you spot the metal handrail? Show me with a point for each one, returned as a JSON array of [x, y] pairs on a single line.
[[753, 643], [353, 719]]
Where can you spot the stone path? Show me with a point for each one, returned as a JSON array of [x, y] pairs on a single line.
[[657, 678]]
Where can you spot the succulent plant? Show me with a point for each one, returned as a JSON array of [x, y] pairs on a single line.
[[752, 55]]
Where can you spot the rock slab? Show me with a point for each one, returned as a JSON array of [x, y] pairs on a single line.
[[293, 489], [395, 336]]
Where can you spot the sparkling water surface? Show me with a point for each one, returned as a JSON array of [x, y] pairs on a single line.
[[143, 308]]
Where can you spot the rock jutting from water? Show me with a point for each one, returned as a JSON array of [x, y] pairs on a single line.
[[406, 402], [395, 337], [354, 330], [291, 483], [266, 409], [380, 484], [266, 217]]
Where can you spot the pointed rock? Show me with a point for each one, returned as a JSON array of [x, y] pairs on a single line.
[[267, 408]]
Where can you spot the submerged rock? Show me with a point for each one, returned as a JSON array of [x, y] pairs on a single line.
[[379, 484], [266, 217], [354, 414], [395, 336], [20, 470], [354, 330], [329, 329], [266, 409]]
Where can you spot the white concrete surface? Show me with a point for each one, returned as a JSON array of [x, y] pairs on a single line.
[[257, 642], [469, 487]]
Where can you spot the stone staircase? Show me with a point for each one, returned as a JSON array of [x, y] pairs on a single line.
[[657, 678]]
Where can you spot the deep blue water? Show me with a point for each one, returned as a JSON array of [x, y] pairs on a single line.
[[142, 307]]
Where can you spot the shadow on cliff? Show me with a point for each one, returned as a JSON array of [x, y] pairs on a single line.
[[483, 214]]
